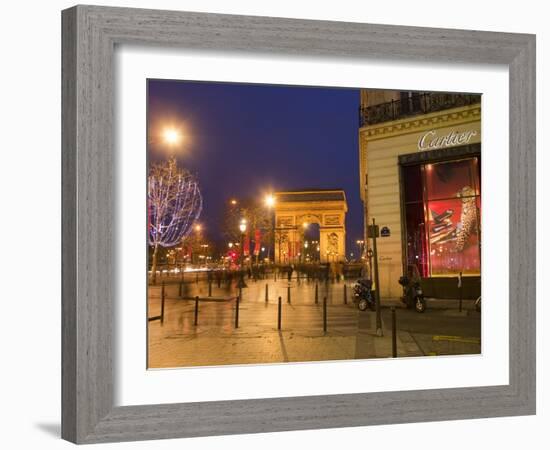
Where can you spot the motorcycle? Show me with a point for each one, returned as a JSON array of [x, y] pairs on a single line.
[[413, 295], [363, 295]]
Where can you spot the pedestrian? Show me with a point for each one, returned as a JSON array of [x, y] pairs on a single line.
[[290, 270]]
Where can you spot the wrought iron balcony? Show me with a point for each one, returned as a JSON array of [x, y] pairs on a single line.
[[417, 103]]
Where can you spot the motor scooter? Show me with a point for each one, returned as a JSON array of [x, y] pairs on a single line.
[[363, 295], [413, 296]]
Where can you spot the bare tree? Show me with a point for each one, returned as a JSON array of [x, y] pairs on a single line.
[[257, 215], [174, 204]]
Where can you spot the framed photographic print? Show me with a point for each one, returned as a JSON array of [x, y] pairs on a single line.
[[278, 224]]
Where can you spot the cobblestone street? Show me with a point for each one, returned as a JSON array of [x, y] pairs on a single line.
[[351, 334]]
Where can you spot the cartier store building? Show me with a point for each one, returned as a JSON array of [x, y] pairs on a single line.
[[420, 179]]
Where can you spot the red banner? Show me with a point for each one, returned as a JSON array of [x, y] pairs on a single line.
[[246, 245], [257, 242]]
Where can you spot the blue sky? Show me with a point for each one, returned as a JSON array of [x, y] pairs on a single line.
[[242, 140]]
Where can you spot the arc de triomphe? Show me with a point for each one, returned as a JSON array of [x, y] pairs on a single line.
[[293, 209]]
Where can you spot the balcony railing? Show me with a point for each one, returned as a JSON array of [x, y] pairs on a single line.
[[414, 105]]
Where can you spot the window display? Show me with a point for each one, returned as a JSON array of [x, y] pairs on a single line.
[[442, 217]]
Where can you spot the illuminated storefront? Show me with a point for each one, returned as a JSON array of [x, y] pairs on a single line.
[[421, 180], [442, 204]]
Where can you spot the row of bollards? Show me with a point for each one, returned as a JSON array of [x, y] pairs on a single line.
[[280, 308], [288, 295], [279, 313]]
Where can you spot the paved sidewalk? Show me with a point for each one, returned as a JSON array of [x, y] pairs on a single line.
[[351, 334]]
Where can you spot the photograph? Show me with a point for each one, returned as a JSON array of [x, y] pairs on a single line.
[[291, 224]]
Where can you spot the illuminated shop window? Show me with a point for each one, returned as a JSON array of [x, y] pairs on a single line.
[[442, 217]]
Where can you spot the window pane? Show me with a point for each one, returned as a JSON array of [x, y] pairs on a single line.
[[417, 251], [412, 183], [454, 236], [452, 178]]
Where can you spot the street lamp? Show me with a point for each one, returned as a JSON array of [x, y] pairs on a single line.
[[171, 136], [242, 228]]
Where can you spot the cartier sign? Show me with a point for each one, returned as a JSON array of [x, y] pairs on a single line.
[[432, 140]]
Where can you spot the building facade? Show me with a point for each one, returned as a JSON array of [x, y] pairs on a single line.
[[296, 210], [420, 179]]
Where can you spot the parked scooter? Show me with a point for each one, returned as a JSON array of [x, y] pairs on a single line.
[[363, 296], [412, 294]]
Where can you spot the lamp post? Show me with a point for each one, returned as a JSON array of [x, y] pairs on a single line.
[[370, 254], [242, 228]]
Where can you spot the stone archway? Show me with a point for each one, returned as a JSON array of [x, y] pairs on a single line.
[[293, 209]]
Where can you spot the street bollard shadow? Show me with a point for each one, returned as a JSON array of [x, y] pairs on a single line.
[[283, 347]]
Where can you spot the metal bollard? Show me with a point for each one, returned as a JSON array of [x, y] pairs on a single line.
[[288, 294], [266, 292], [196, 310], [324, 314], [345, 294], [162, 303], [393, 333], [316, 293], [279, 307], [237, 311]]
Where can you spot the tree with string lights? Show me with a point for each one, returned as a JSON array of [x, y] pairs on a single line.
[[174, 204]]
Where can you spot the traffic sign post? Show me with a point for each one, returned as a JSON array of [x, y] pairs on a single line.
[[374, 233]]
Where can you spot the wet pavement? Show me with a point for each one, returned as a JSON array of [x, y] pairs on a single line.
[[350, 333]]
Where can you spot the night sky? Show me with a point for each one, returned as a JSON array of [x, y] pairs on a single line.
[[244, 140]]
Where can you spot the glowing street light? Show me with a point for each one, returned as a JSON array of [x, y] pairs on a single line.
[[270, 200], [171, 136], [242, 227]]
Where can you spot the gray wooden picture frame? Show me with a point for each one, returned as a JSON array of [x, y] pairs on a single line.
[[90, 34]]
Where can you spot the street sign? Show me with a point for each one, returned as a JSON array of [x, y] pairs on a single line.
[[373, 231], [385, 232]]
